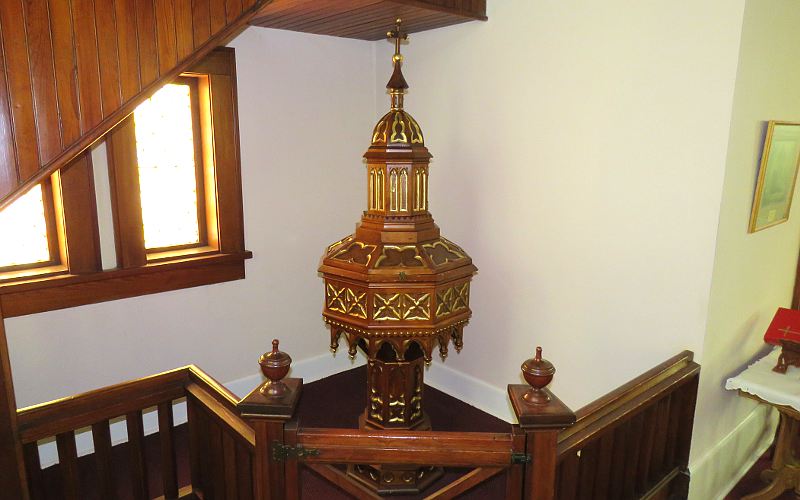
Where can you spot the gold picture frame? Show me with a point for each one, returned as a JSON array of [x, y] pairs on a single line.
[[777, 175]]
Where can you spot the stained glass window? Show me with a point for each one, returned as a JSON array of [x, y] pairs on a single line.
[[165, 146], [24, 231]]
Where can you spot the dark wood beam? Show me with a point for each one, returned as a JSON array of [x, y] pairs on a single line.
[[13, 482]]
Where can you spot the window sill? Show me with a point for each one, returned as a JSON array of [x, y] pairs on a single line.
[[36, 273], [59, 291]]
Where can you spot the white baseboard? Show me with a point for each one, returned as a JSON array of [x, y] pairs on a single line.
[[715, 474], [309, 370], [473, 391]]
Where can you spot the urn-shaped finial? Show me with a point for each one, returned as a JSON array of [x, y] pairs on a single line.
[[538, 373], [275, 365]]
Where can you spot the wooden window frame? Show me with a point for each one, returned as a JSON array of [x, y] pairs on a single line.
[[78, 277], [204, 173], [52, 234]]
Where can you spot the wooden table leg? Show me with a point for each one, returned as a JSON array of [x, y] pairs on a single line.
[[784, 472]]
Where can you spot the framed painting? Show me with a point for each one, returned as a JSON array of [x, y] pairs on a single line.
[[776, 175]]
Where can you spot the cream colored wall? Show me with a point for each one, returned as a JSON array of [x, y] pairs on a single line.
[[579, 151], [306, 108], [753, 273]]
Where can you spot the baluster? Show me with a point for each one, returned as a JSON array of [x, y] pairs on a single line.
[[541, 415], [646, 451], [200, 449], [657, 465], [138, 461], [217, 467], [570, 471], [196, 455], [34, 469], [632, 456], [68, 464], [244, 472], [229, 463], [670, 450], [166, 434], [618, 460], [101, 436], [588, 473], [686, 422], [604, 462]]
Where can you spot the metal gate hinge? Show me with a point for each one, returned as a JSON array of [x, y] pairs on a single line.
[[282, 452], [520, 458]]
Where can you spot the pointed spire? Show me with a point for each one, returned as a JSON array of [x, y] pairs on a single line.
[[397, 83]]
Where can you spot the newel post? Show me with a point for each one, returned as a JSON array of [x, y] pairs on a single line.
[[541, 416], [267, 409]]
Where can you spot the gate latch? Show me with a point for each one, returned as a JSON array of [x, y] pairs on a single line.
[[282, 452], [520, 458]]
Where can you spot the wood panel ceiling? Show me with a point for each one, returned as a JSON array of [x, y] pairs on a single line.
[[366, 19]]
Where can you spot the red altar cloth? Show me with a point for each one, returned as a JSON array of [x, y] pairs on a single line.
[[785, 326]]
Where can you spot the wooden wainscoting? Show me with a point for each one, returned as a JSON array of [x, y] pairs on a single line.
[[221, 444], [70, 72], [633, 442]]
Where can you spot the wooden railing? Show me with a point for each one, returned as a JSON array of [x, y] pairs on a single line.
[[527, 452], [633, 442], [221, 444], [488, 454]]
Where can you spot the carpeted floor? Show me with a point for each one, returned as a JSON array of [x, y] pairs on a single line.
[[346, 393], [751, 482], [335, 401]]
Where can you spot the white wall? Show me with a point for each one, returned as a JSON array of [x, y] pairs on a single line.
[[306, 112], [579, 151], [753, 273]]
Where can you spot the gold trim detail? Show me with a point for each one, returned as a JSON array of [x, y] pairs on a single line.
[[380, 189], [453, 299], [416, 134], [375, 400], [399, 256], [424, 203], [402, 306], [400, 128], [339, 243], [376, 188], [379, 134], [442, 252], [412, 333], [393, 197], [346, 301], [421, 183], [403, 191], [356, 253], [399, 136], [397, 396]]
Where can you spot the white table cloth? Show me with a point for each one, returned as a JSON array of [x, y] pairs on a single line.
[[776, 388]]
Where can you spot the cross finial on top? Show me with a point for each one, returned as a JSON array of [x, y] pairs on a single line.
[[397, 83], [398, 35]]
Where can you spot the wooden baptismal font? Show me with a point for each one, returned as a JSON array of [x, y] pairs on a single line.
[[396, 288]]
